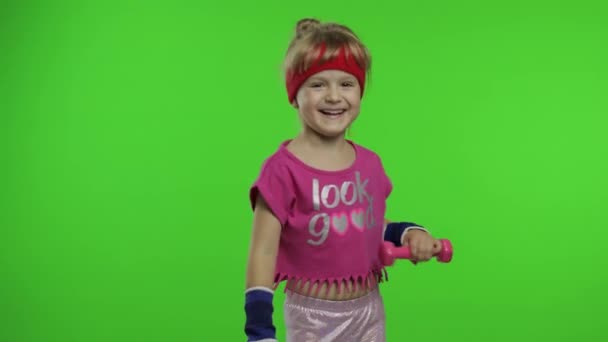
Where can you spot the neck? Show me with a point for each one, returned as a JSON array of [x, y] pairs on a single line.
[[317, 142]]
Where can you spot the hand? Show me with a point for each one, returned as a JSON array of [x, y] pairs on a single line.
[[422, 245]]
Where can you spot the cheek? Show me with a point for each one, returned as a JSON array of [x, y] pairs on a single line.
[[306, 109], [355, 102], [354, 97], [306, 103]]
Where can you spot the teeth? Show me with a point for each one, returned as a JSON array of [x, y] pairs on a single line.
[[333, 112]]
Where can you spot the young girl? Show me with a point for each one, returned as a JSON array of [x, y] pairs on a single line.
[[319, 204]]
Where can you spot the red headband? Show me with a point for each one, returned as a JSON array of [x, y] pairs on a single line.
[[341, 62]]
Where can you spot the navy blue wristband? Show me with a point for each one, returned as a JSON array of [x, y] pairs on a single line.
[[258, 308], [394, 231]]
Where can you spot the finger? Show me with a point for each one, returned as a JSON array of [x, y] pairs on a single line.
[[414, 250], [432, 249], [424, 253], [427, 252], [420, 252], [436, 247]]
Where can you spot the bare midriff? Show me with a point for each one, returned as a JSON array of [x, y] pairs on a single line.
[[346, 291]]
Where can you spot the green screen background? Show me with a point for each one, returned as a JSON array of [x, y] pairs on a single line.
[[131, 131]]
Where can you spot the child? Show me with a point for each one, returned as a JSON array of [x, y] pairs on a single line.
[[319, 204]]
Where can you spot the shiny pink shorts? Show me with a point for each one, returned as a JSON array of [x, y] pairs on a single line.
[[310, 319]]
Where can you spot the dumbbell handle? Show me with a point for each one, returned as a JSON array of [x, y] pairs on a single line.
[[389, 252]]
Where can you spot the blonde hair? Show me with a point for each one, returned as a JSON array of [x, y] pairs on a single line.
[[311, 34]]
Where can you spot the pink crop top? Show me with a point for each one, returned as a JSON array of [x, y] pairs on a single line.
[[332, 221]]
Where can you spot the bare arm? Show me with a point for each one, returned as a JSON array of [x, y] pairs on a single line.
[[264, 246]]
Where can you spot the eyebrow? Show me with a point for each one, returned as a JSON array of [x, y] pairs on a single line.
[[344, 78]]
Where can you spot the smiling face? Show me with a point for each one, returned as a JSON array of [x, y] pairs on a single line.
[[328, 102]]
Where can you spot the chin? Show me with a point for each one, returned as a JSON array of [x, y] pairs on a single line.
[[331, 133]]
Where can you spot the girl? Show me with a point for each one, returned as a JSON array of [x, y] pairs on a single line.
[[319, 204]]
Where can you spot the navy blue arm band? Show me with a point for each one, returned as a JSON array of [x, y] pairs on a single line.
[[394, 231], [258, 308]]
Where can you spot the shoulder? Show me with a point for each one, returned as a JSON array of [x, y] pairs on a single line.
[[276, 164], [274, 161], [367, 154], [274, 183], [371, 158]]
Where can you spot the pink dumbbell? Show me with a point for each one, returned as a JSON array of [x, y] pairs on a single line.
[[388, 252]]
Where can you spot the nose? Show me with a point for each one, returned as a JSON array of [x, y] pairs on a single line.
[[333, 94]]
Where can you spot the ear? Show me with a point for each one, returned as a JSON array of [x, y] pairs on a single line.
[[294, 103]]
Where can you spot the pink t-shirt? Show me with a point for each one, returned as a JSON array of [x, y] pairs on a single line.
[[332, 221]]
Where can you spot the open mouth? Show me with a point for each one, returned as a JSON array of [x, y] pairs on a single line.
[[332, 112]]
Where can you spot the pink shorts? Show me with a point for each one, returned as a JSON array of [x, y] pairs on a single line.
[[309, 319]]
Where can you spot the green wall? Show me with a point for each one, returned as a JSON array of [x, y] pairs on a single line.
[[131, 131]]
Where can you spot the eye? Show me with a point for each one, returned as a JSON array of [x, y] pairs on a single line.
[[316, 85], [348, 84]]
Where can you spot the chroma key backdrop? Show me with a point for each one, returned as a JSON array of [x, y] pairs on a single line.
[[131, 131]]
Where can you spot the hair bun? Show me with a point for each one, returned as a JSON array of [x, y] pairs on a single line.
[[306, 25]]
